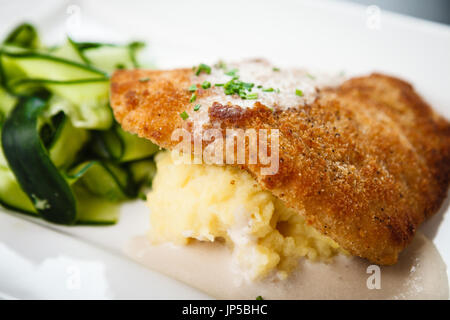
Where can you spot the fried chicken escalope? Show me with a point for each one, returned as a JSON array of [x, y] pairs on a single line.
[[365, 161]]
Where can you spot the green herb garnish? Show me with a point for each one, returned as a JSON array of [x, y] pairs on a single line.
[[275, 69], [259, 298], [144, 79], [219, 84], [197, 107], [234, 86], [192, 88], [309, 75], [252, 96], [193, 97], [203, 68], [268, 90], [184, 115], [206, 85], [299, 92], [231, 72], [248, 86]]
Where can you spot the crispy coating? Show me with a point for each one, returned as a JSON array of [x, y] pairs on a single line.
[[366, 163]]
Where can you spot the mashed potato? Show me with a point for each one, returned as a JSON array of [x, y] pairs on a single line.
[[213, 203]]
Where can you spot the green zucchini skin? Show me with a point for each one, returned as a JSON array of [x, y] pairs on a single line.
[[120, 146], [24, 36], [33, 55], [31, 165]]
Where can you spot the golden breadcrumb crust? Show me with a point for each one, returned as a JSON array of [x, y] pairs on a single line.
[[366, 163]]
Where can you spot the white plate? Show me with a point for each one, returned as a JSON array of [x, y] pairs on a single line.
[[38, 260]]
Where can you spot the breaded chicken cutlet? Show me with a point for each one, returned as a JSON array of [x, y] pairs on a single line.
[[365, 160]]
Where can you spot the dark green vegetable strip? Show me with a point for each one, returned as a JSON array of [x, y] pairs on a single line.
[[142, 171], [134, 47], [30, 163], [104, 179], [11, 195], [122, 146], [28, 54], [23, 86], [94, 210], [79, 52], [66, 143], [24, 36]]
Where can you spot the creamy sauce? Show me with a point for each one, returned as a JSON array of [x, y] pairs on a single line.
[[419, 274], [284, 82]]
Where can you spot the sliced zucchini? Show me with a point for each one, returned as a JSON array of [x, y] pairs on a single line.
[[46, 66], [94, 210], [11, 195], [86, 103], [66, 143], [43, 135], [122, 146], [70, 51], [9, 71], [3, 162], [134, 48], [81, 91], [37, 176], [143, 171], [135, 148], [104, 179], [7, 103], [25, 36], [109, 58]]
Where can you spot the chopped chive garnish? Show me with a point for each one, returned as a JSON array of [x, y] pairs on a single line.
[[248, 86], [197, 107], [193, 88], [268, 90], [206, 85], [277, 90], [193, 98], [237, 87], [184, 115], [299, 92], [259, 298], [309, 75], [203, 68], [259, 87], [231, 72], [275, 69], [252, 96], [144, 79], [242, 94]]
